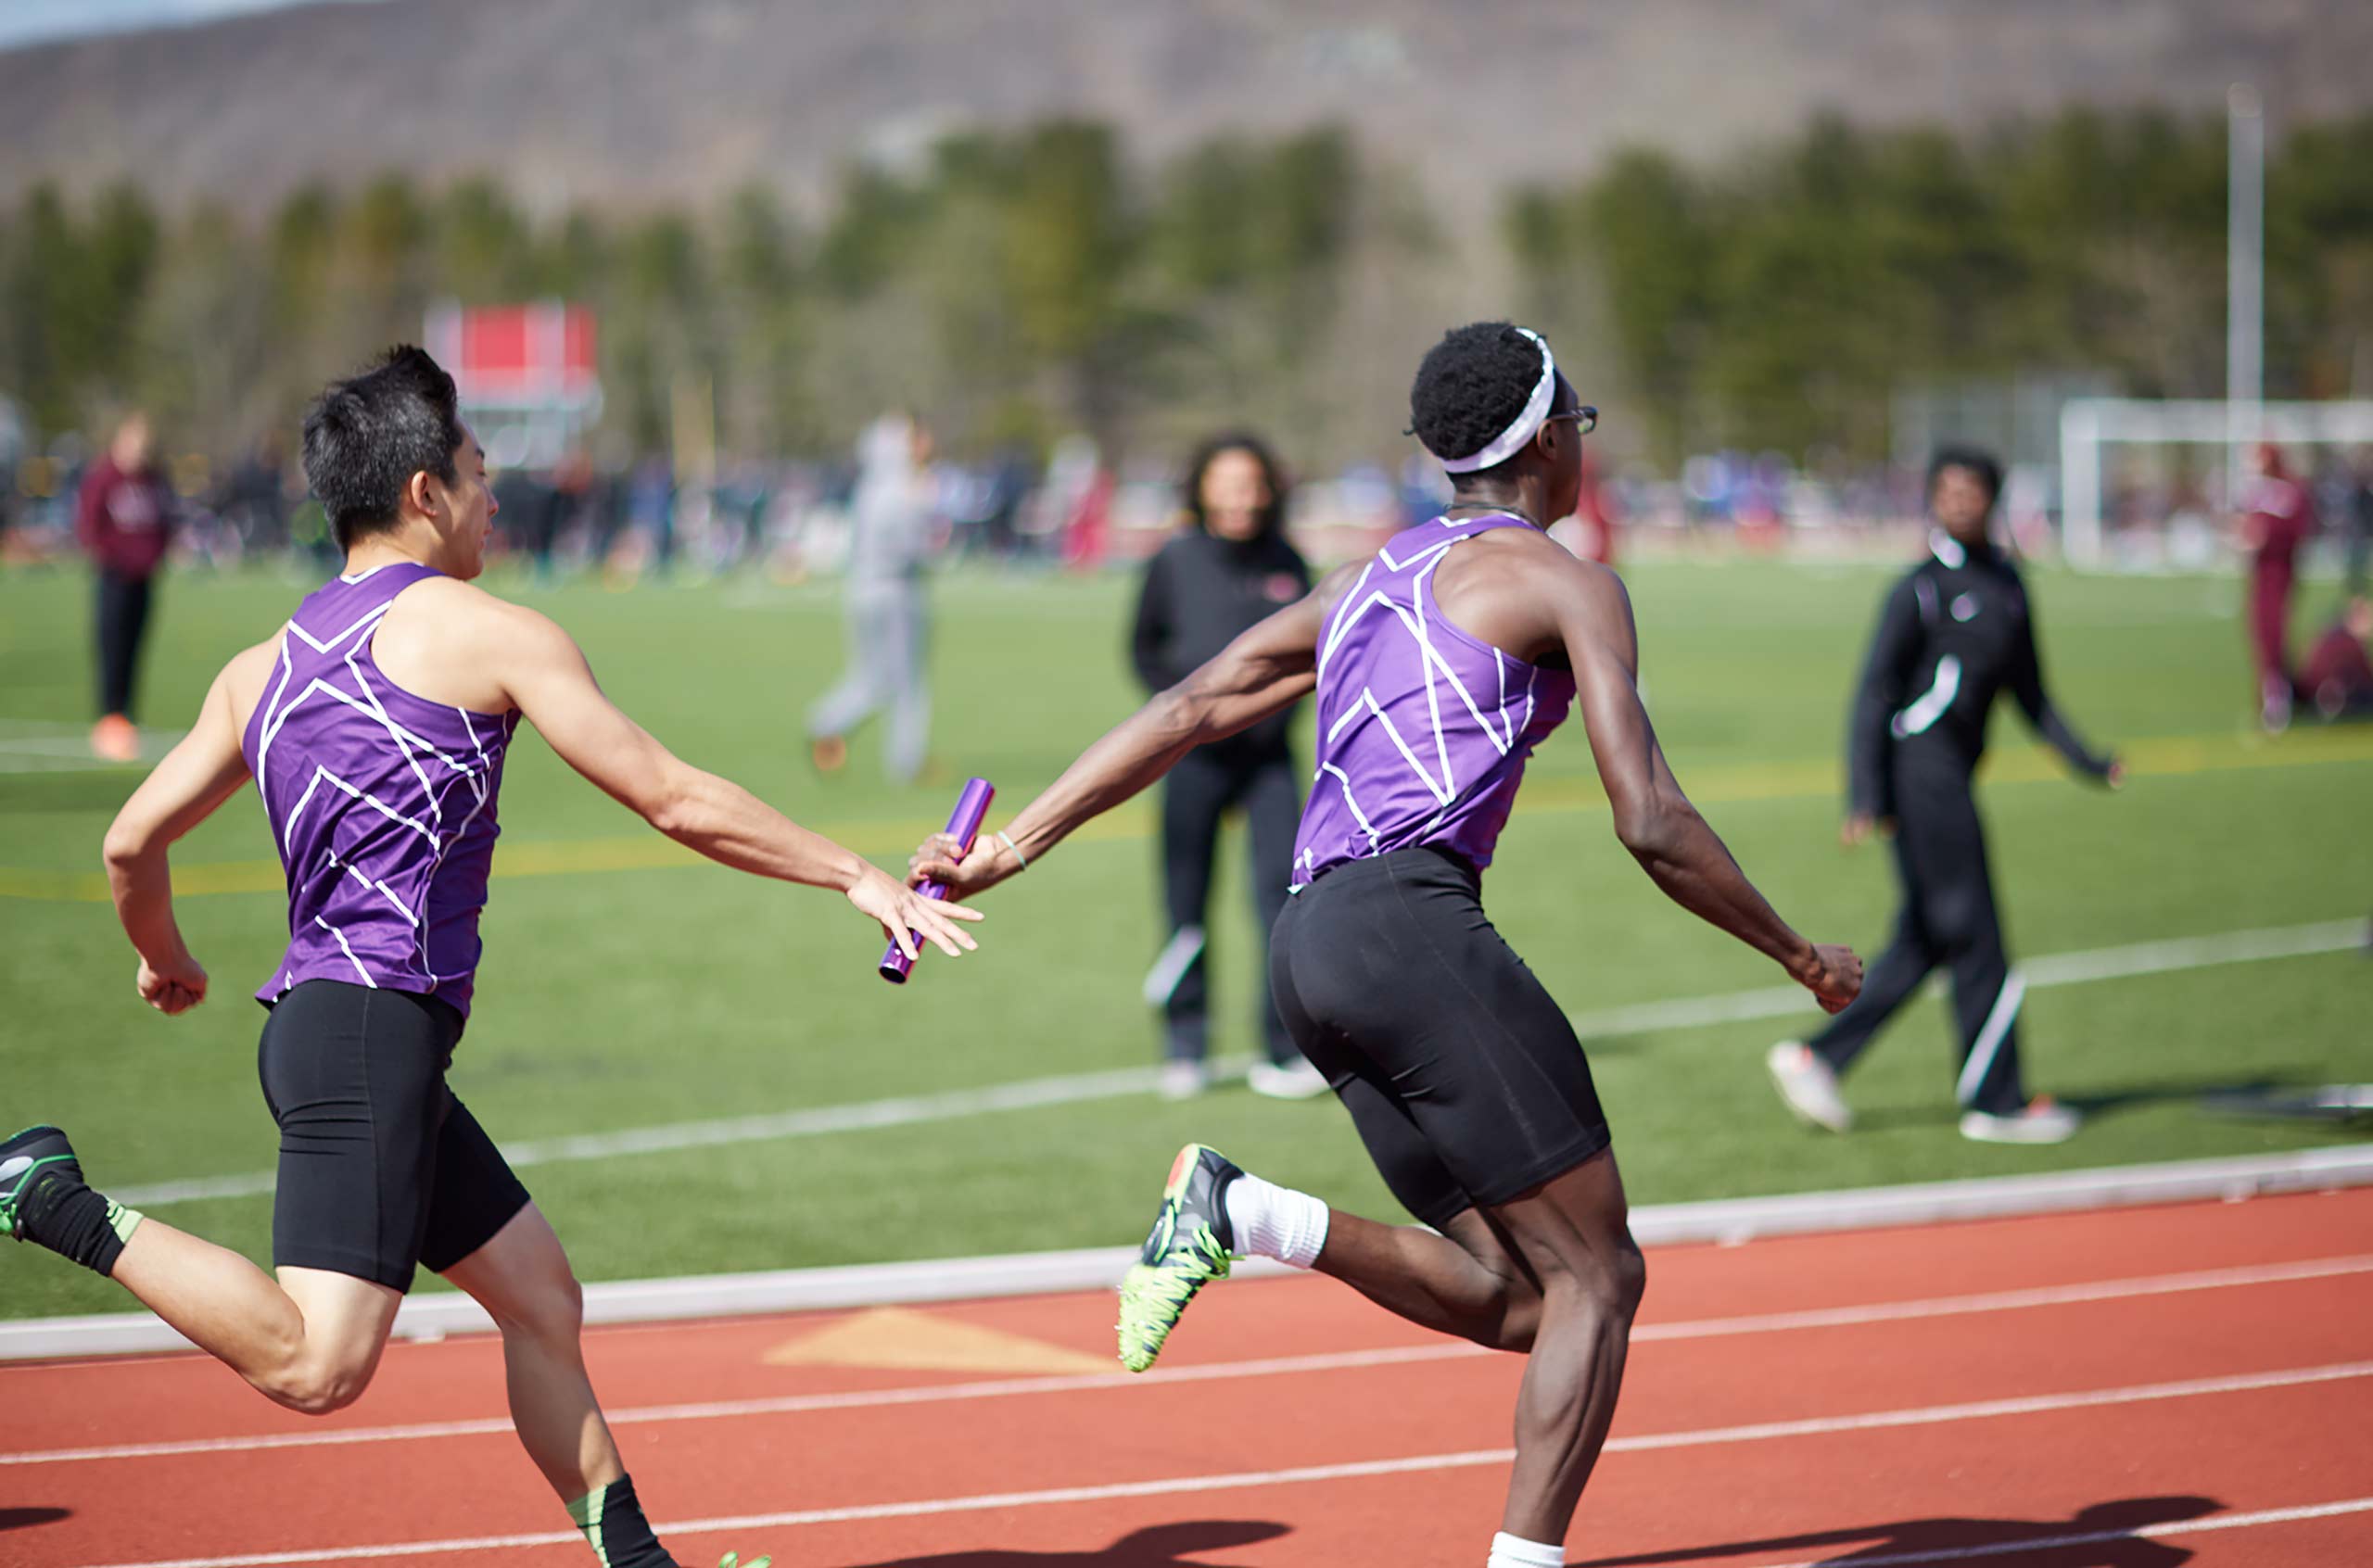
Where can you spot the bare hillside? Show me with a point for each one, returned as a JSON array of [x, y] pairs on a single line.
[[644, 99]]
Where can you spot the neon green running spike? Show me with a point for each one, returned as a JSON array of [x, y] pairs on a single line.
[[1189, 1246], [732, 1559], [23, 1157]]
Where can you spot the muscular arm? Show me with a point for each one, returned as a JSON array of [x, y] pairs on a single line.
[[196, 777], [546, 678], [1681, 854], [1263, 672]]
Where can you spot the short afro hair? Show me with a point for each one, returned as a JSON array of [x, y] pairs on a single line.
[[1471, 387], [1983, 463], [366, 436]]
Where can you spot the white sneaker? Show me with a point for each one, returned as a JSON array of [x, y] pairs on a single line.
[[1809, 1086], [1297, 1081], [1182, 1080], [2043, 1121]]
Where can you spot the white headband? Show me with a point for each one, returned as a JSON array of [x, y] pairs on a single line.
[[1536, 413]]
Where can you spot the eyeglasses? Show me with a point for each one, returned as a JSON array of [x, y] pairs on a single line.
[[1585, 418]]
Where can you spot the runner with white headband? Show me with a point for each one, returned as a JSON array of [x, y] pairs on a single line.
[[1439, 663]]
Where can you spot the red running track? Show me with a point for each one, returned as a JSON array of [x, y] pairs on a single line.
[[2133, 1389]]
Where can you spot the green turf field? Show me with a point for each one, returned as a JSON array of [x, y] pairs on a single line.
[[626, 986]]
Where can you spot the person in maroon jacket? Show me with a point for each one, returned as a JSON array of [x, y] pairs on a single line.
[[2277, 517], [123, 517]]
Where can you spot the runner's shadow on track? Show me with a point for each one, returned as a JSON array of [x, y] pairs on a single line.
[[1156, 1546], [2099, 1536], [18, 1518]]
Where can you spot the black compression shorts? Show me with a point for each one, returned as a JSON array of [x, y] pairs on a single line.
[[381, 1167], [1465, 1079]]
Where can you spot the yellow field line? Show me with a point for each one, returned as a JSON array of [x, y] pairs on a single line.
[[2169, 756]]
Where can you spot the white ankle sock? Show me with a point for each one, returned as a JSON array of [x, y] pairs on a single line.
[[1273, 1222], [1515, 1551]]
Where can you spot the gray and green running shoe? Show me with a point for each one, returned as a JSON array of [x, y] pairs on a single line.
[[731, 1560], [23, 1160], [1190, 1245]]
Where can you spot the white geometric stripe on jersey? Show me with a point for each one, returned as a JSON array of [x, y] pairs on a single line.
[[371, 883], [1357, 815], [342, 948], [366, 700], [366, 618], [436, 863], [362, 684], [326, 689]]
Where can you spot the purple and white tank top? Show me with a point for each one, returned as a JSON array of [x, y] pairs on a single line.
[[382, 803], [1423, 729]]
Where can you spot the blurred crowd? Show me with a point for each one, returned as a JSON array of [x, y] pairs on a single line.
[[1073, 507]]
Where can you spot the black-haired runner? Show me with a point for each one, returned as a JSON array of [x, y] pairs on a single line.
[[1956, 630], [1439, 664], [374, 724], [1230, 566]]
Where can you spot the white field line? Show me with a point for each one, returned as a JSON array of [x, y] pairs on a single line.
[[2055, 969], [871, 1399], [1928, 1415], [2065, 968], [31, 746]]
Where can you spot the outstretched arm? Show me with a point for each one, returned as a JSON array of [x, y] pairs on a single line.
[[1653, 818], [546, 678], [196, 775], [1263, 672], [2026, 686]]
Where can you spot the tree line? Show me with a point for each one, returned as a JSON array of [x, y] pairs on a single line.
[[1016, 284], [1777, 300]]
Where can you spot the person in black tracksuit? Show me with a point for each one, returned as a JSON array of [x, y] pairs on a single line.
[[1956, 630], [1229, 568]]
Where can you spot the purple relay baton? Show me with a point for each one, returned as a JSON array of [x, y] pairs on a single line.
[[963, 826]]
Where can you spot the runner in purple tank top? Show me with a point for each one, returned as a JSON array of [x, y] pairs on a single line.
[[374, 724], [1439, 664]]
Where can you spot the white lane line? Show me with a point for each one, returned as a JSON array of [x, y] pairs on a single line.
[[1277, 1366], [1469, 1459], [2056, 969], [908, 1110], [2010, 1300], [2064, 968], [2090, 1537]]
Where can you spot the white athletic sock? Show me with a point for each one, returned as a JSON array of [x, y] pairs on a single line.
[[1273, 1222], [1515, 1551]]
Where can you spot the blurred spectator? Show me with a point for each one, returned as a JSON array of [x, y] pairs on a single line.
[[534, 508], [1228, 568], [2359, 540], [1076, 501], [651, 508], [1000, 511], [12, 454], [2277, 517], [1590, 532], [255, 504], [2338, 677], [123, 517], [891, 516]]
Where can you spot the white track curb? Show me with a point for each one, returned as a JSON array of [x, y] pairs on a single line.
[[1723, 1220]]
